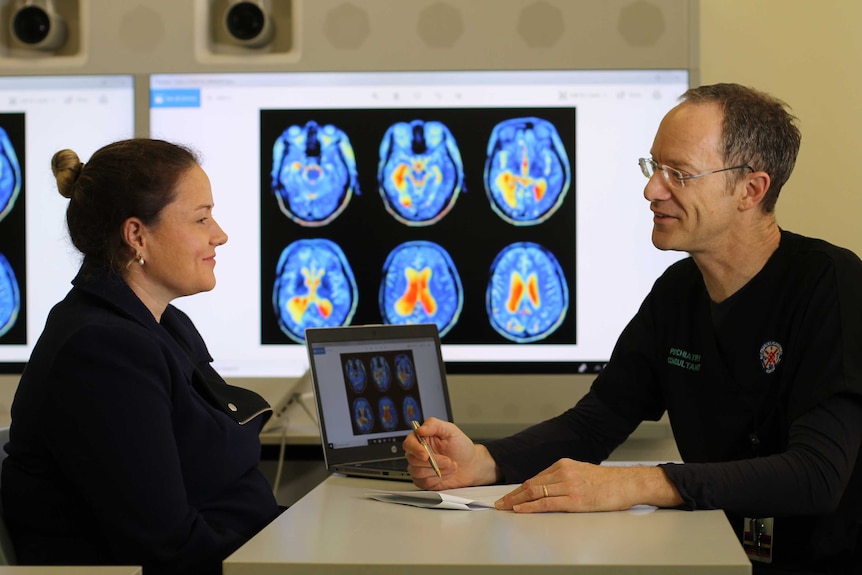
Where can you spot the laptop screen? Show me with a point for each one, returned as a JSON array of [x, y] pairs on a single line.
[[371, 382]]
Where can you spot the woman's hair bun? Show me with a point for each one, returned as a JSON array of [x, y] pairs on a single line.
[[66, 167]]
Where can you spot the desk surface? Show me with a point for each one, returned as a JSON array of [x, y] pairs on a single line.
[[336, 530]]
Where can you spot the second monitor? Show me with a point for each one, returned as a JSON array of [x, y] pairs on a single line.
[[505, 207]]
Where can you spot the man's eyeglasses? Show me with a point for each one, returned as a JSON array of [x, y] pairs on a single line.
[[676, 178]]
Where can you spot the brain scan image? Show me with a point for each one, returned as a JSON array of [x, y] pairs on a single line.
[[354, 369], [527, 172], [10, 296], [314, 287], [388, 413], [421, 285], [405, 373], [313, 173], [411, 409], [420, 173], [363, 416], [527, 296], [10, 176], [380, 372]]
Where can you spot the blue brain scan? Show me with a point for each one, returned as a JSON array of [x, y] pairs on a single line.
[[388, 413], [380, 372], [527, 172], [363, 416], [10, 296], [314, 287], [354, 369], [411, 409], [405, 373], [527, 296], [313, 173], [421, 285], [420, 173], [10, 175]]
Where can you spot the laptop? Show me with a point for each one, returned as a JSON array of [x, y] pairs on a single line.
[[370, 382]]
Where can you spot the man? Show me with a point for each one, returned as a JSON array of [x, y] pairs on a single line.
[[753, 346]]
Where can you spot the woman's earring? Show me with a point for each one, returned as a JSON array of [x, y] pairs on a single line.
[[141, 259]]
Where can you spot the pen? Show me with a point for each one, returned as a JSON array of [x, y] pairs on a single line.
[[427, 448]]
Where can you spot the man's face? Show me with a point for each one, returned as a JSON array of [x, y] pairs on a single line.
[[699, 216]]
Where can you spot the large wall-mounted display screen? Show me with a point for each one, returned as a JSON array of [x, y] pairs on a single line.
[[40, 115], [505, 207]]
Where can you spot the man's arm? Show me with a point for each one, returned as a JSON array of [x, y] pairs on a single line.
[[809, 477], [588, 432]]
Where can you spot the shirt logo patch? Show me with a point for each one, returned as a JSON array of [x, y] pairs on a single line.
[[770, 355]]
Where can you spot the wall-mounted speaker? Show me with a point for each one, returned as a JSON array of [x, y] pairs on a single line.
[[37, 26], [249, 23], [40, 29], [258, 29]]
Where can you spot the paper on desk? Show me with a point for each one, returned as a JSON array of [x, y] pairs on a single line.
[[464, 499]]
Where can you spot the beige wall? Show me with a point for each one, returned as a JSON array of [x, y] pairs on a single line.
[[810, 55]]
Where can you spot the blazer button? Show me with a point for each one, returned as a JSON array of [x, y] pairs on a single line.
[[231, 407]]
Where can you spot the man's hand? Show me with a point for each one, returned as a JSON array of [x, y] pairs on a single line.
[[462, 463], [570, 485]]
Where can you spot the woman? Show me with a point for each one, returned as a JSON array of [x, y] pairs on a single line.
[[125, 445]]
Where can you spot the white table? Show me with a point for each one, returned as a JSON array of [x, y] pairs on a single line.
[[336, 530]]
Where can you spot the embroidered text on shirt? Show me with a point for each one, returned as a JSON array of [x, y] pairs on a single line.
[[683, 359]]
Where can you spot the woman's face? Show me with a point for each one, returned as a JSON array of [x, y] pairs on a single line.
[[180, 250]]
